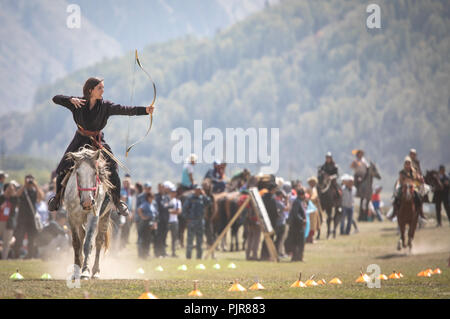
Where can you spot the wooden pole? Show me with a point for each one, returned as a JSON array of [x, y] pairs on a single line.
[[269, 242], [222, 234]]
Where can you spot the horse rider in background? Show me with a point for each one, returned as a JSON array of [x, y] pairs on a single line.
[[406, 175], [332, 170], [187, 176], [360, 167], [416, 164], [217, 177]]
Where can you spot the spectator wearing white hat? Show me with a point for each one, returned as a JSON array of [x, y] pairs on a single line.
[[187, 176], [348, 193]]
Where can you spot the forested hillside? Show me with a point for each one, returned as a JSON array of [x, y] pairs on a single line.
[[37, 47], [310, 68]]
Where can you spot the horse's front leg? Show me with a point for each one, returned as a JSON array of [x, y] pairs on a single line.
[[412, 229], [76, 244], [102, 239], [87, 247], [361, 209], [402, 226], [329, 212], [337, 218]]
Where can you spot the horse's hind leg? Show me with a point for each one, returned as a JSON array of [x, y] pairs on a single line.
[[402, 226], [337, 219]]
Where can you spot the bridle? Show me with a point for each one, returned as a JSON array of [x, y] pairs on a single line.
[[89, 189]]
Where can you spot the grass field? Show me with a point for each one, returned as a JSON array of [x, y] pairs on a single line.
[[342, 257]]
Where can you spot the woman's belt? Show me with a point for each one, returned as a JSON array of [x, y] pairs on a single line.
[[96, 136]]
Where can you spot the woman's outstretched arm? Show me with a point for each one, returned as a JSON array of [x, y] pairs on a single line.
[[117, 109], [67, 101]]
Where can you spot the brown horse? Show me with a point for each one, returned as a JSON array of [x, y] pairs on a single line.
[[407, 214]]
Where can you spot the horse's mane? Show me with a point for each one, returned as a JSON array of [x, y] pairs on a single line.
[[90, 155]]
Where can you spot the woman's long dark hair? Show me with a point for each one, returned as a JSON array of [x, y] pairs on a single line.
[[89, 85]]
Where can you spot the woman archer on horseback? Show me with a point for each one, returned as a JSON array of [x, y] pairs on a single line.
[[91, 114]]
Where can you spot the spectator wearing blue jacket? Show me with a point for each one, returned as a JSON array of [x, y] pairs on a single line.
[[148, 215], [193, 211]]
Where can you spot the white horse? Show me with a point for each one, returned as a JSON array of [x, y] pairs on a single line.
[[88, 206]]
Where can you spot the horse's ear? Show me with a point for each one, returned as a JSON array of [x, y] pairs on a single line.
[[97, 155]]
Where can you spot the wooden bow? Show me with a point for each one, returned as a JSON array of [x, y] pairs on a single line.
[[138, 62]]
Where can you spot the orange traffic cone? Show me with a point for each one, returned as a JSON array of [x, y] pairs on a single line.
[[310, 282], [298, 283], [195, 292], [437, 271], [382, 277], [256, 286], [424, 273], [335, 281], [237, 287], [147, 294], [394, 275], [321, 282], [363, 278]]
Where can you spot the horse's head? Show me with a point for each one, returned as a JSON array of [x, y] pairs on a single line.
[[87, 176], [374, 171], [408, 190], [323, 178]]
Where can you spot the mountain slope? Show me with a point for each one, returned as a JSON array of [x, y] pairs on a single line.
[[310, 68]]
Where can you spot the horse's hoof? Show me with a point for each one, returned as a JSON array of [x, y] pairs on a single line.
[[96, 275], [85, 275], [399, 246]]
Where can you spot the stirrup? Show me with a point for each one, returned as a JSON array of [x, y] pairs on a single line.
[[54, 203], [122, 209]]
